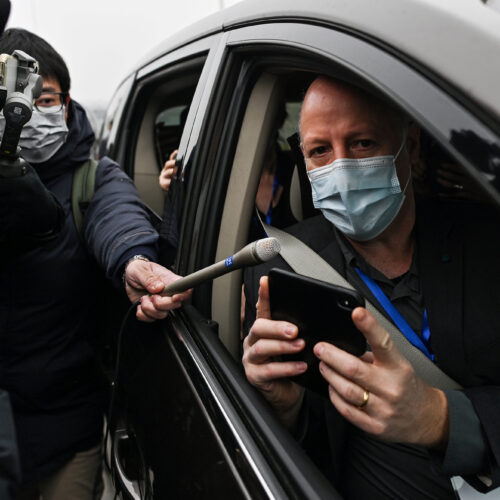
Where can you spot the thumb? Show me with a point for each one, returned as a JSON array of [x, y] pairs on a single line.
[[383, 348], [263, 306], [141, 275]]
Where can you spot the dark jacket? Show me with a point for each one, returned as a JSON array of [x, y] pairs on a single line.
[[10, 473], [49, 308], [459, 272]]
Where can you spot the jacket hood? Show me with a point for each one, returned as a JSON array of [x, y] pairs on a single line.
[[75, 150]]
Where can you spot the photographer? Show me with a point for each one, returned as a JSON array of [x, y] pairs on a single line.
[[50, 296]]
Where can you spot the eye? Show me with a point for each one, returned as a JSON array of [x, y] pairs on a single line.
[[46, 101], [363, 144], [318, 151]]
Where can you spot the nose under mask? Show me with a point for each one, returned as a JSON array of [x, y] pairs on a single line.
[[360, 197], [42, 136]]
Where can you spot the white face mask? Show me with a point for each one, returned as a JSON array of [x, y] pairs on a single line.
[[42, 136], [360, 197]]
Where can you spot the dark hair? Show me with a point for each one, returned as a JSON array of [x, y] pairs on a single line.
[[52, 65]]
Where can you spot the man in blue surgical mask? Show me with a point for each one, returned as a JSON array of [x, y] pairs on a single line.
[[50, 296], [375, 434]]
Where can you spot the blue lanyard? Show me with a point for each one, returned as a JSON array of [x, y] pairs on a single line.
[[269, 214], [401, 323]]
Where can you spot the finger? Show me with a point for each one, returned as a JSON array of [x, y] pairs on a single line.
[[345, 364], [360, 417], [383, 348], [141, 316], [270, 329], [167, 171], [173, 154], [265, 349], [152, 311], [165, 303], [261, 374], [152, 284], [367, 357], [263, 305], [351, 393], [181, 297], [165, 184]]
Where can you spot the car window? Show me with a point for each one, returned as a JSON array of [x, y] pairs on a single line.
[[112, 118], [168, 129], [164, 106]]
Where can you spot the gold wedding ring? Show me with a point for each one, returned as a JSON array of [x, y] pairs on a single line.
[[366, 396]]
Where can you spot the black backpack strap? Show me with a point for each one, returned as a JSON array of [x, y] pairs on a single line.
[[82, 191]]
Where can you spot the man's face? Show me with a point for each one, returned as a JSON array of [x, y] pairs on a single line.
[[339, 121], [51, 95]]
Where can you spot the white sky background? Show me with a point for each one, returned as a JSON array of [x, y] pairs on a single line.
[[101, 40]]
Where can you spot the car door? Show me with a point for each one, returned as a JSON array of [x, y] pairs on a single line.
[[190, 425]]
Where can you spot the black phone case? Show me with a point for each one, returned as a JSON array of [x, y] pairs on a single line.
[[322, 312]]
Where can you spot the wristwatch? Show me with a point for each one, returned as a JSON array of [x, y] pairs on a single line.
[[135, 257]]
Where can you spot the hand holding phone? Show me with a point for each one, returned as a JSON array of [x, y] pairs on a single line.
[[322, 313]]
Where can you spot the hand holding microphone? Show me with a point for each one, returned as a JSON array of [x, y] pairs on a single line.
[[254, 253]]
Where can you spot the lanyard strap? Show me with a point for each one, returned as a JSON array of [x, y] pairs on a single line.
[[398, 319], [269, 214]]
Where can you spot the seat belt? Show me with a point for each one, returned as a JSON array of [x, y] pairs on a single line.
[[303, 260]]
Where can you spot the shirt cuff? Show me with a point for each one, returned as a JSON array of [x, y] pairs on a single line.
[[467, 451]]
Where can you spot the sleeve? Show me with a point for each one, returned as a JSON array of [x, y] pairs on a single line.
[[322, 433], [10, 473], [466, 452], [486, 403], [117, 224]]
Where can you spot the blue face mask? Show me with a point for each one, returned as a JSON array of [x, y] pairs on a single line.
[[360, 197]]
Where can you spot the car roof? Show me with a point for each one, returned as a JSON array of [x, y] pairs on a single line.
[[459, 40]]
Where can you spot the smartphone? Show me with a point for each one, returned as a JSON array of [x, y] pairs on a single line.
[[322, 313]]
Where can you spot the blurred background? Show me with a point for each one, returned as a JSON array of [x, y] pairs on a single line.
[[101, 40]]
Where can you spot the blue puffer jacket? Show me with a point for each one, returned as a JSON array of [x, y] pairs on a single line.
[[48, 307]]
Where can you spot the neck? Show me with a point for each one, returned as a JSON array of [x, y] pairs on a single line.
[[391, 252]]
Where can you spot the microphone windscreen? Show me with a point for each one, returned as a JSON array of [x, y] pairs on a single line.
[[267, 248]]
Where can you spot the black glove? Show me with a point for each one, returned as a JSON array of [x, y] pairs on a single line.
[[29, 212]]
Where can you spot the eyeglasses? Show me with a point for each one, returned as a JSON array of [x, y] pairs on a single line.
[[51, 102]]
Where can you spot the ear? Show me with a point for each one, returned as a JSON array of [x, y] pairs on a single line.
[[68, 98], [413, 142]]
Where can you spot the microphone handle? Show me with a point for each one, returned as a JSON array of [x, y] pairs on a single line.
[[245, 257]]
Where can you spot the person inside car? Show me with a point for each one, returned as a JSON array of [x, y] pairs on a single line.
[[384, 432], [50, 295]]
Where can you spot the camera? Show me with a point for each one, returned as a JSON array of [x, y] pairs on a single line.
[[20, 85]]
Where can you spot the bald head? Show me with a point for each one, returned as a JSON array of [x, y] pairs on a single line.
[[325, 89], [339, 120]]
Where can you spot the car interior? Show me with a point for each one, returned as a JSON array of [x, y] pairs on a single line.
[[160, 133]]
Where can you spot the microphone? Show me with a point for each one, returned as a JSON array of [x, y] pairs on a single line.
[[254, 253]]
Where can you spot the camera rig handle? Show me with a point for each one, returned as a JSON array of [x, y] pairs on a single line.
[[20, 85]]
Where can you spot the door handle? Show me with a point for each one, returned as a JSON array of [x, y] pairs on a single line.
[[131, 487]]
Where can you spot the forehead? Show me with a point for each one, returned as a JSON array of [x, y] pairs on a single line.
[[329, 102], [51, 84]]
